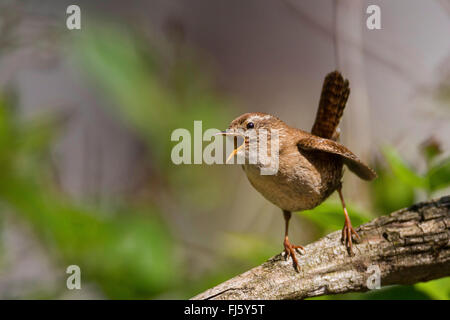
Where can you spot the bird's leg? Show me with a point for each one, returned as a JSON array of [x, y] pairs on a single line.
[[289, 249], [347, 230]]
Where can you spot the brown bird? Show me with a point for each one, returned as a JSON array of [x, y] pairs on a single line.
[[310, 165]]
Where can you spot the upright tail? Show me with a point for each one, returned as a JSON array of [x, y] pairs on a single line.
[[335, 92]]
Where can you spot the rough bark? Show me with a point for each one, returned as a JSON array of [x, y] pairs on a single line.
[[408, 246]]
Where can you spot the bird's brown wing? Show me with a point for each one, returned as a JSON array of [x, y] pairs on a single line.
[[335, 92], [330, 146]]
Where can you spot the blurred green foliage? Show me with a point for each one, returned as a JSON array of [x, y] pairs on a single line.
[[248, 249], [435, 178], [437, 289], [128, 254], [155, 96], [328, 216], [128, 251]]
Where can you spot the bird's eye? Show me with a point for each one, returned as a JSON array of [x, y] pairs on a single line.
[[250, 125]]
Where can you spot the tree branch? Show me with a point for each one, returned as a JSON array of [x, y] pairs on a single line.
[[408, 246]]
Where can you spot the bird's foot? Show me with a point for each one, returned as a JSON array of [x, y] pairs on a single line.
[[347, 233], [289, 250]]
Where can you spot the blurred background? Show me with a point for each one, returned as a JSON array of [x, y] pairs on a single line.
[[86, 117]]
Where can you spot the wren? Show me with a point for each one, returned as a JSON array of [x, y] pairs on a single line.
[[310, 165]]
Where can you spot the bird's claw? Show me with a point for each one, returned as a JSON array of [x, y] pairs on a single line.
[[347, 233], [289, 250]]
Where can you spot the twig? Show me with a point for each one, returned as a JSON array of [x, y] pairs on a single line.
[[408, 246]]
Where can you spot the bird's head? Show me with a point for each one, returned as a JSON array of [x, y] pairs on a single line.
[[253, 125], [255, 121]]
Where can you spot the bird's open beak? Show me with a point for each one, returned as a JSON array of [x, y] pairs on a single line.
[[236, 134]]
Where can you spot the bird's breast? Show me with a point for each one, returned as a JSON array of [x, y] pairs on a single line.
[[303, 180]]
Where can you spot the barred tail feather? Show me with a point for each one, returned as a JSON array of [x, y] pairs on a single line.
[[335, 92]]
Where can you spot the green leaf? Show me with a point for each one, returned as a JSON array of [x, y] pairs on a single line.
[[437, 289], [248, 248], [329, 216], [402, 171], [390, 193], [439, 175]]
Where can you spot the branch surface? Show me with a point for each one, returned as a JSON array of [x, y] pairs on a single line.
[[408, 246]]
